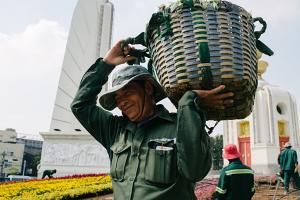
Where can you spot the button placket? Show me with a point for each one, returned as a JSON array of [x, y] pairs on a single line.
[[137, 140]]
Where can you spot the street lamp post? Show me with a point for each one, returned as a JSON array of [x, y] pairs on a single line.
[[3, 154], [24, 167]]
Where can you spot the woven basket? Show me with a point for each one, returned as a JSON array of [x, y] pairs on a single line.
[[197, 46]]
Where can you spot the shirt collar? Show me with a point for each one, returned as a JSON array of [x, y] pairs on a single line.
[[160, 112], [131, 126], [163, 113], [237, 161]]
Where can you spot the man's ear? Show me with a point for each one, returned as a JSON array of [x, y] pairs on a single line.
[[149, 88]]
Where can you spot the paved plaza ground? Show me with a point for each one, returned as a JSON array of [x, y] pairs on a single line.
[[266, 193], [262, 193], [106, 197]]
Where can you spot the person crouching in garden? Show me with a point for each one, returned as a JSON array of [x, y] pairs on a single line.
[[236, 180], [49, 173]]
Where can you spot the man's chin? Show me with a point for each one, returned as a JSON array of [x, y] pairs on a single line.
[[131, 118]]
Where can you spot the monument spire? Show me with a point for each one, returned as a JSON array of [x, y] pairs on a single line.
[[261, 65]]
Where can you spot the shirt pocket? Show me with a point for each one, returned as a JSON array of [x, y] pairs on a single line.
[[161, 163], [119, 160]]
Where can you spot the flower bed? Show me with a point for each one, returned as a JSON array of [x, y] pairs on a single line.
[[266, 180], [91, 185], [74, 187], [205, 189]]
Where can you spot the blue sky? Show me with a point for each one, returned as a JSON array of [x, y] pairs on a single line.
[[33, 36]]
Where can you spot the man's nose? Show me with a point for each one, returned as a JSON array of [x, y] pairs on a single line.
[[122, 103]]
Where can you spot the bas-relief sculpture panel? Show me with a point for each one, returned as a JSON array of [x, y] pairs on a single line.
[[75, 154]]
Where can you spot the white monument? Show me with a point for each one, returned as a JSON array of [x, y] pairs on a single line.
[[262, 134], [68, 147]]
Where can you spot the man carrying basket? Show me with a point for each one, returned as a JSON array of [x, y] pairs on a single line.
[[154, 154]]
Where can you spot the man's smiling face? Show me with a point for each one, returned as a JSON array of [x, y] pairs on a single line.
[[130, 100]]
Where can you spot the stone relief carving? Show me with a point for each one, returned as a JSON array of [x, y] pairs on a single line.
[[75, 154]]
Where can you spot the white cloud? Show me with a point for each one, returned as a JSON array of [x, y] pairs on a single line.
[[30, 62], [29, 71], [280, 11]]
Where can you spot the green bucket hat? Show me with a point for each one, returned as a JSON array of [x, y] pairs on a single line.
[[124, 75]]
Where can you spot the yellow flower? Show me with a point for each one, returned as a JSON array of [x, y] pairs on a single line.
[[56, 188]]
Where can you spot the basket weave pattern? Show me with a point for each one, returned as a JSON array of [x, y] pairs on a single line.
[[227, 34]]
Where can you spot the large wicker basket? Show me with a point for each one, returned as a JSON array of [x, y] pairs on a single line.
[[199, 45]]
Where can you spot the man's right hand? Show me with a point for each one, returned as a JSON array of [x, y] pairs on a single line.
[[214, 98], [116, 56]]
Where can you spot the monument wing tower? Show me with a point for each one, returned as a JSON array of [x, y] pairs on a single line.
[[89, 38], [68, 147]]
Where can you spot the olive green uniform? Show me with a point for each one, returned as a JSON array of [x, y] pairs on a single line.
[[159, 158], [236, 182], [288, 160]]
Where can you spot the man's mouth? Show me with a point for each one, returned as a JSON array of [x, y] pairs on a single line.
[[127, 108]]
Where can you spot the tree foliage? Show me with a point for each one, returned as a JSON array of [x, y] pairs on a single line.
[[31, 163], [216, 150]]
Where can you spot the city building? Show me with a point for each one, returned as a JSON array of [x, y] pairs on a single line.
[[11, 153], [32, 152], [33, 143]]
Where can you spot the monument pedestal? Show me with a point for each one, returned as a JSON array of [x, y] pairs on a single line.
[[262, 134], [265, 159], [72, 153]]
